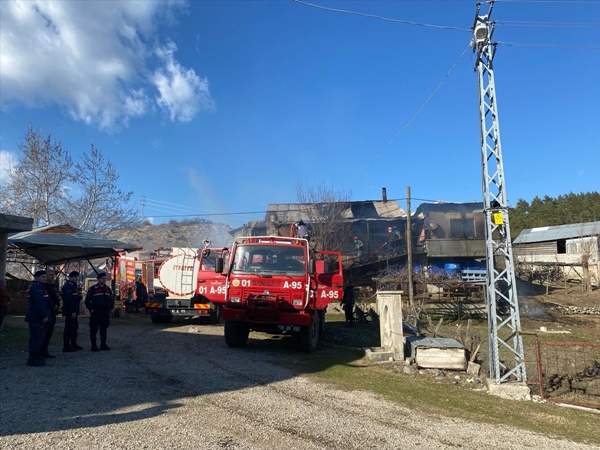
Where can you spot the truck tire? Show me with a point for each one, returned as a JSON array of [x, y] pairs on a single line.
[[236, 333], [156, 318], [308, 338]]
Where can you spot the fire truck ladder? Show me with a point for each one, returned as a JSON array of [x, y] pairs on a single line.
[[506, 357], [184, 282]]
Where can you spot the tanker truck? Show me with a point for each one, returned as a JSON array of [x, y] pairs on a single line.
[[186, 285], [278, 285]]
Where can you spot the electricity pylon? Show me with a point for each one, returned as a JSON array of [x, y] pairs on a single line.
[[506, 357]]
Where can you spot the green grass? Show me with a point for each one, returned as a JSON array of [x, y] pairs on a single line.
[[345, 367]]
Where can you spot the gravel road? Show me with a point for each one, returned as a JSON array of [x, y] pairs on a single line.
[[178, 386]]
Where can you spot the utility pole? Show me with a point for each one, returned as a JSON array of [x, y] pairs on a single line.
[[409, 252], [506, 357]]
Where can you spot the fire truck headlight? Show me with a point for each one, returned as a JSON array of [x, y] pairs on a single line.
[[235, 299]]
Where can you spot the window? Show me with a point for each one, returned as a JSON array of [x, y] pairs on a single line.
[[462, 228]]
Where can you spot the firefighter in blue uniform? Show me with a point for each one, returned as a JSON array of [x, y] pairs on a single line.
[[37, 316], [70, 310], [100, 303], [54, 304]]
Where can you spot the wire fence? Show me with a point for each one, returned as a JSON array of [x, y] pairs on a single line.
[[564, 372]]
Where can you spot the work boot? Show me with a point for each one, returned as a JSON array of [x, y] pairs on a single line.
[[67, 349], [104, 347], [47, 355], [35, 360], [36, 363], [95, 347], [76, 346]]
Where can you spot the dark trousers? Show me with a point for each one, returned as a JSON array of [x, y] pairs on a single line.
[[99, 320], [3, 309], [37, 331], [49, 331], [349, 311], [70, 332]]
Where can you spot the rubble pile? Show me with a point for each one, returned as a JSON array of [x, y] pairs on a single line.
[[570, 310], [586, 382]]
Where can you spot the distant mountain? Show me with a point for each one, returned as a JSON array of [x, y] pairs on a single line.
[[187, 233]]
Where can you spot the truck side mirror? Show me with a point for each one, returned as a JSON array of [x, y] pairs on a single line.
[[219, 264], [311, 266]]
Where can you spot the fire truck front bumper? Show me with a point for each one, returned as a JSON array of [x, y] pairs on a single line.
[[267, 317]]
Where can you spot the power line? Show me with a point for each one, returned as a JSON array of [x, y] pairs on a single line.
[[387, 19], [525, 44], [413, 117], [170, 204], [571, 2], [516, 23]]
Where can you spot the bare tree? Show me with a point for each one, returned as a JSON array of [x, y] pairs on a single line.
[[327, 212], [103, 206], [587, 247], [37, 184]]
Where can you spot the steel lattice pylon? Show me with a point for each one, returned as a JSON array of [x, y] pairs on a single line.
[[506, 358]]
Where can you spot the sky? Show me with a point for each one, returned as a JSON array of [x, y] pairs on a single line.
[[216, 109]]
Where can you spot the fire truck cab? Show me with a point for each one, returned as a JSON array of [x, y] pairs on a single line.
[[279, 285]]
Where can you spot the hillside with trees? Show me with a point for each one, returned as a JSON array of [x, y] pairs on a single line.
[[186, 233], [549, 211]]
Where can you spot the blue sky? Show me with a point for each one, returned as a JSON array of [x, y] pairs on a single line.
[[221, 107]]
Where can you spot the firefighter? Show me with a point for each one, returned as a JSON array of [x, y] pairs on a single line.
[[347, 304], [53, 306], [100, 303], [37, 316], [358, 246], [70, 310], [392, 240], [141, 295], [302, 230]]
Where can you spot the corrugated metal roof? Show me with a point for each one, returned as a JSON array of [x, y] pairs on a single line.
[[430, 342], [292, 212], [55, 244], [554, 233]]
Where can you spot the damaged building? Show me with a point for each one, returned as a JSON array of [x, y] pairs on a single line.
[[445, 236]]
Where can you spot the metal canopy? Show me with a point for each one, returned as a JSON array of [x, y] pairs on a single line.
[[57, 244]]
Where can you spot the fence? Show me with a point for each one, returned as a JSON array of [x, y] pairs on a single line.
[[565, 372]]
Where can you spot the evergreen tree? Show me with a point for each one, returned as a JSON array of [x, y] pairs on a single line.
[[565, 209]]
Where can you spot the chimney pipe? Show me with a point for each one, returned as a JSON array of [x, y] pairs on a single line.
[[384, 194]]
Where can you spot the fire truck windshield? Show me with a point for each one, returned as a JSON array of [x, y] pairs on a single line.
[[269, 259]]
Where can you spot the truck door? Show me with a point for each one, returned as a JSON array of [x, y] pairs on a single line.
[[329, 277], [211, 284]]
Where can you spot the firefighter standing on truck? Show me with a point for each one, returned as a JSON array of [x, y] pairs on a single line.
[[100, 303]]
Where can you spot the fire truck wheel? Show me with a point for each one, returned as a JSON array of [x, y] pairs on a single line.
[[308, 338], [161, 319], [236, 333], [156, 318]]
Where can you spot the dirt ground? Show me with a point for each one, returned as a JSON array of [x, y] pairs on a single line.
[[179, 386]]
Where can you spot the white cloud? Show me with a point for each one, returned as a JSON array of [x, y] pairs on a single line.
[[95, 59], [7, 162], [182, 92]]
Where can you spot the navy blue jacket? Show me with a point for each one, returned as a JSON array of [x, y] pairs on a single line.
[[37, 303], [54, 298], [71, 298], [99, 298]]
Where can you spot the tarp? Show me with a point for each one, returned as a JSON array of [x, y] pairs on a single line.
[[57, 244]]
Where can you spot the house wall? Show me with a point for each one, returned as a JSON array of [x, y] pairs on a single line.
[[570, 262]]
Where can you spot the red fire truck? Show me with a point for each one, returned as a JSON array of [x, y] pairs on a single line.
[[279, 285], [180, 281]]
